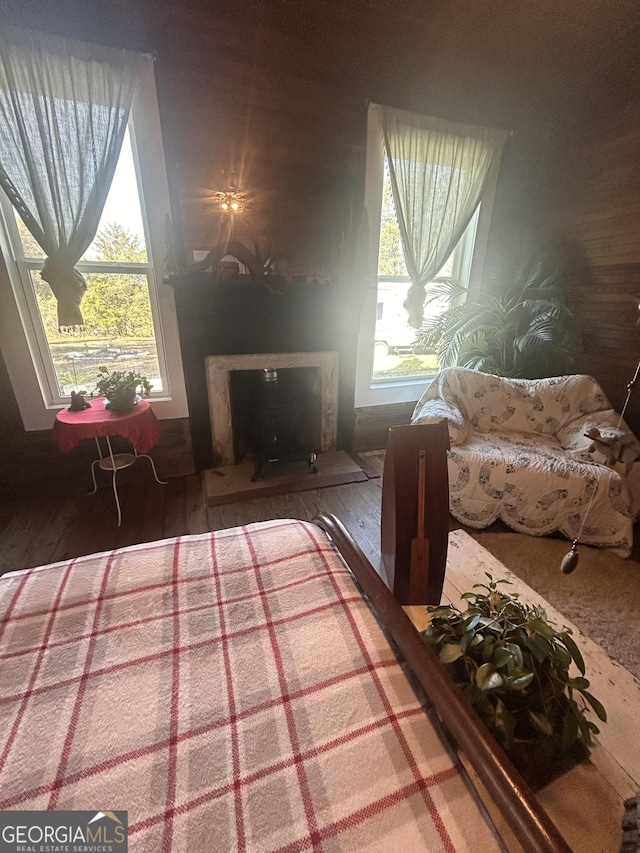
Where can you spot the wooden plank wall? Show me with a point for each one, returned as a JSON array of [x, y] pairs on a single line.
[[596, 196], [594, 204]]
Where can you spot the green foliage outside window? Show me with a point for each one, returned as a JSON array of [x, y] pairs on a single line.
[[391, 257], [116, 309], [115, 304]]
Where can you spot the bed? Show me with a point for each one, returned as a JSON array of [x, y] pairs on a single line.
[[248, 689]]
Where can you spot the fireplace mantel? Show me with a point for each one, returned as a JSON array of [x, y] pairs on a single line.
[[218, 368], [232, 319]]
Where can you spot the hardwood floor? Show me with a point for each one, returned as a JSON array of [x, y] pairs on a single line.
[[61, 521]]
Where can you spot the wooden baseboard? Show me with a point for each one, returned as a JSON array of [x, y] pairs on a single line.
[[372, 424]]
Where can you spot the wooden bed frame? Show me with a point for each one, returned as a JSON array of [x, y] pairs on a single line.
[[511, 794], [415, 505]]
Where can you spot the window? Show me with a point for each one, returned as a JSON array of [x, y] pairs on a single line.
[[390, 364], [129, 314], [397, 352]]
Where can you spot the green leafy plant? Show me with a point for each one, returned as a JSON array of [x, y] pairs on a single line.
[[512, 665], [528, 331], [121, 388]]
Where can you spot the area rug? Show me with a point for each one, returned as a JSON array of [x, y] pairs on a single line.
[[232, 483], [601, 597]]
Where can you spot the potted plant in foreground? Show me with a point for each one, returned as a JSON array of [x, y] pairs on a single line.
[[512, 665], [122, 389]]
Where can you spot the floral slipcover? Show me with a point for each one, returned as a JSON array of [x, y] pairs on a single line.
[[519, 452]]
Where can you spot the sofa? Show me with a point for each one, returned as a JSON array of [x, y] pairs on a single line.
[[520, 451]]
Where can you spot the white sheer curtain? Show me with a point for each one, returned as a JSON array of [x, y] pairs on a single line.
[[438, 170], [64, 108]]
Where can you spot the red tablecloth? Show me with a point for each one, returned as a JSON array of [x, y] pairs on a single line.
[[140, 426]]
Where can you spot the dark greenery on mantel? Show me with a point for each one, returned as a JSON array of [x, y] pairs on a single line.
[[346, 267], [258, 263]]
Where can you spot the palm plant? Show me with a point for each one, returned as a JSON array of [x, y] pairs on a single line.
[[529, 331]]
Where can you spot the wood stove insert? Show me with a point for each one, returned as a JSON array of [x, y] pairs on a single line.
[[281, 429], [314, 380]]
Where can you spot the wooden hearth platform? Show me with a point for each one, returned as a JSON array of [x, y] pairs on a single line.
[[233, 482]]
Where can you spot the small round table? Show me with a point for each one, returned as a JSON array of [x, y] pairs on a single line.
[[139, 426]]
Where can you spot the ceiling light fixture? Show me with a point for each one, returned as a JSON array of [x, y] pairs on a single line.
[[231, 200]]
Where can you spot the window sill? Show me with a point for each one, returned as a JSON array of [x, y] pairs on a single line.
[[388, 393]]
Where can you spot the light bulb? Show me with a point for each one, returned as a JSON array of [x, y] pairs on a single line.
[[225, 205], [234, 205]]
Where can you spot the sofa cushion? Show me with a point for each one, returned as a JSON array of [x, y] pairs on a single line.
[[488, 403], [573, 436]]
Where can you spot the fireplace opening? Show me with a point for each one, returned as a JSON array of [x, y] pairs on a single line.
[[313, 375], [275, 416]]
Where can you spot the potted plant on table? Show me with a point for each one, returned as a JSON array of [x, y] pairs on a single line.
[[122, 389], [512, 666]]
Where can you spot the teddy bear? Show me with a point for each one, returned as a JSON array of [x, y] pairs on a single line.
[[615, 445], [78, 403]]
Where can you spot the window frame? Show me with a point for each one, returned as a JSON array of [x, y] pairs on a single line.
[[22, 340], [461, 270], [370, 392]]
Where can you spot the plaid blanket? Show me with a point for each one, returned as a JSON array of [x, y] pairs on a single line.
[[231, 691]]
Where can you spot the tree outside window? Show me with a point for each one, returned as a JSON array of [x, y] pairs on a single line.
[[117, 311]]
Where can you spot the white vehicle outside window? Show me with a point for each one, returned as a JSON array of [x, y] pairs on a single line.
[[394, 337], [391, 367]]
